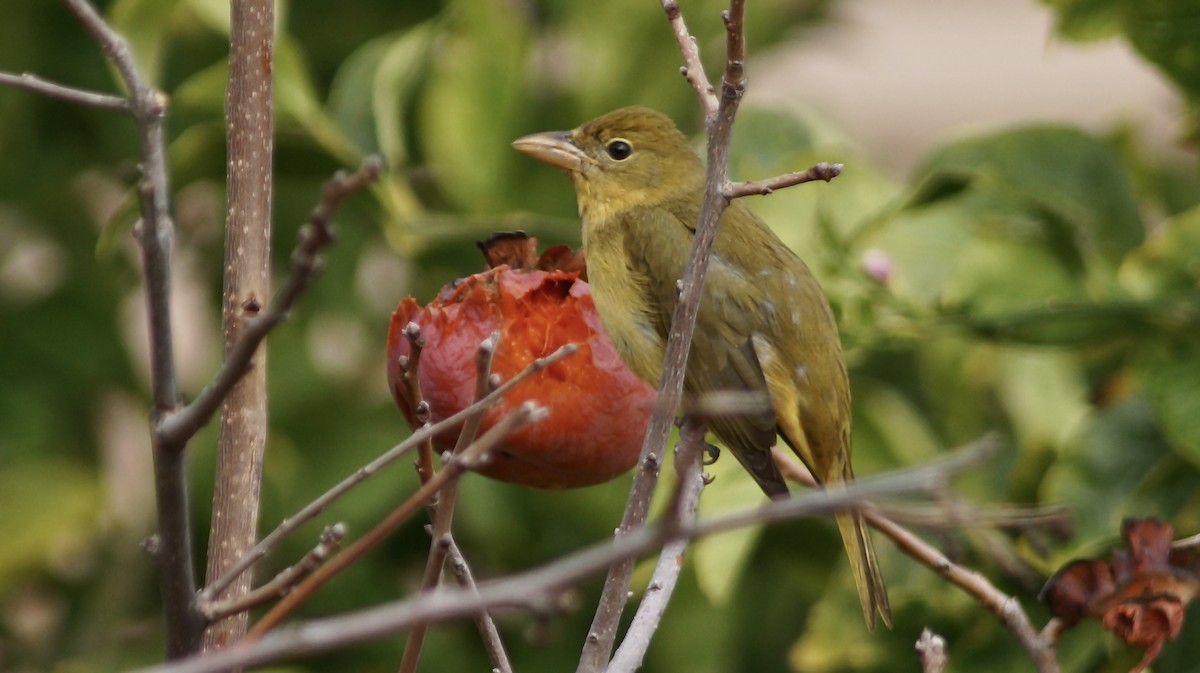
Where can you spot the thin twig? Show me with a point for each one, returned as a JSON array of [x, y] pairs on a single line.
[[682, 514], [1005, 607], [410, 374], [446, 498], [314, 508], [461, 570], [331, 539], [155, 233], [719, 124], [31, 82], [313, 237], [821, 171], [693, 68], [932, 649], [474, 456], [483, 619], [536, 588]]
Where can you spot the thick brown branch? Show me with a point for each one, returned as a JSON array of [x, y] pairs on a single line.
[[70, 94]]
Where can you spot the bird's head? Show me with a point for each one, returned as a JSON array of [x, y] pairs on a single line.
[[628, 158]]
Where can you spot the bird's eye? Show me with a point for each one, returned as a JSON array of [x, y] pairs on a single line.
[[619, 149]]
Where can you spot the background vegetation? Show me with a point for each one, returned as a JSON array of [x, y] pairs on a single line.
[[1040, 281]]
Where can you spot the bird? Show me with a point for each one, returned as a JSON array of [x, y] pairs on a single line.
[[763, 324]]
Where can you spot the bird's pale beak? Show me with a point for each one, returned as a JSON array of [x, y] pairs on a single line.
[[554, 148]]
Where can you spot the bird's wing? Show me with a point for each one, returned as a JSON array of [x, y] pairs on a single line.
[[723, 354]]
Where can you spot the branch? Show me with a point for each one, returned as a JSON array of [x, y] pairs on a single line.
[[474, 456], [313, 237], [719, 124], [537, 588], [410, 369], [95, 99], [1005, 607], [316, 507], [444, 508], [155, 233], [242, 437], [821, 171], [932, 649], [483, 620], [682, 515], [693, 68], [331, 539]]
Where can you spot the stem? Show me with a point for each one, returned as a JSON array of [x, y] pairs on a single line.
[[243, 436]]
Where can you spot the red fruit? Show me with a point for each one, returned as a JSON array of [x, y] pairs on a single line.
[[598, 409]]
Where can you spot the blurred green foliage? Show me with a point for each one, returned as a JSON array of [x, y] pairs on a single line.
[[1042, 281]]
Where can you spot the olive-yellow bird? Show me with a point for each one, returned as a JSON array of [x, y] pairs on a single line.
[[763, 323]]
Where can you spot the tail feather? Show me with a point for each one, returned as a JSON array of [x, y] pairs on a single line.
[[871, 592]]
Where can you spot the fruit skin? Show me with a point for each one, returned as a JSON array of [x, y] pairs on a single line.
[[598, 409]]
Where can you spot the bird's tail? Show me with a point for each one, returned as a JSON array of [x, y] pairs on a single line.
[[871, 592]]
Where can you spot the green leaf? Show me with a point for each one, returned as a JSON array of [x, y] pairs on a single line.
[[720, 561], [1117, 465], [297, 102], [1173, 388], [403, 64], [46, 504], [211, 13], [1060, 175], [999, 275], [1164, 32], [1168, 261], [474, 105], [1086, 20]]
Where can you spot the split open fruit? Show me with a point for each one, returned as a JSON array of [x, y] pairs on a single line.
[[598, 408]]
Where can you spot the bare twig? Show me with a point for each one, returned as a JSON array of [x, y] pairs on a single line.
[[314, 508], [95, 99], [154, 233], [820, 171], [693, 68], [483, 620], [535, 588], [719, 117], [331, 539], [932, 649], [446, 499], [474, 456], [410, 373], [313, 237], [682, 515], [1005, 607]]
